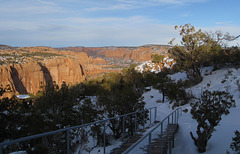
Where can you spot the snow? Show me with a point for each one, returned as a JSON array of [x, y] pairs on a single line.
[[152, 67], [222, 137], [23, 96]]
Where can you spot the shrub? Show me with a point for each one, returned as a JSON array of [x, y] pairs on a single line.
[[157, 58], [208, 111], [235, 145]]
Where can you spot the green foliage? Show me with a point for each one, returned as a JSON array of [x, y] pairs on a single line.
[[163, 84], [232, 56], [120, 94], [90, 87], [235, 145], [174, 91], [197, 49], [157, 58], [56, 105], [178, 94], [208, 111]]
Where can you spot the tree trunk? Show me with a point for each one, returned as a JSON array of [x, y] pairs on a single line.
[[163, 96], [201, 141]]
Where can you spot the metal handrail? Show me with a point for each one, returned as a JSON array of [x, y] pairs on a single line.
[[149, 134], [6, 143]]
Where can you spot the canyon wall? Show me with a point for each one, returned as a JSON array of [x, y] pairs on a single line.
[[135, 54], [28, 69], [32, 76]]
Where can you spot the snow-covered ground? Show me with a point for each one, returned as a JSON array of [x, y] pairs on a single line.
[[224, 80]]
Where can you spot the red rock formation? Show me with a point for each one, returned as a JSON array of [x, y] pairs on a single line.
[[29, 77], [67, 70], [136, 54], [97, 61]]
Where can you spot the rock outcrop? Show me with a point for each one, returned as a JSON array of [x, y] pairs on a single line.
[[30, 68], [30, 77], [135, 54]]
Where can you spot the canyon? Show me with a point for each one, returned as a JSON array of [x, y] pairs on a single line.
[[28, 69]]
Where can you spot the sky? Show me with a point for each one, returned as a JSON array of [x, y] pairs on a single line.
[[97, 23]]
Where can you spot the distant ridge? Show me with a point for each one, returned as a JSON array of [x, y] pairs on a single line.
[[6, 47]]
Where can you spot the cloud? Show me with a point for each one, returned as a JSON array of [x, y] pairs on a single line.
[[224, 23], [112, 7], [135, 4], [131, 31], [27, 7], [107, 20], [178, 1]]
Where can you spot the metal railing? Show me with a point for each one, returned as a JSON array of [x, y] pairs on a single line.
[[105, 121], [174, 116]]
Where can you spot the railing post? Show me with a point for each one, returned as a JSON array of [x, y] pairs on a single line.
[[68, 142], [150, 116], [144, 119], [172, 118], [149, 143], [104, 137], [173, 141], [168, 135], [175, 117], [123, 128], [135, 122], [161, 138], [155, 118], [1, 150]]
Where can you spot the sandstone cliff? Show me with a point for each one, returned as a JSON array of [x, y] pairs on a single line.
[[30, 77], [135, 54], [28, 69]]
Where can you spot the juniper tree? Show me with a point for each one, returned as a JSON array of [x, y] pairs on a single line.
[[208, 111], [197, 49], [121, 93]]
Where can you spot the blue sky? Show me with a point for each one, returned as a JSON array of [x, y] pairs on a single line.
[[94, 23]]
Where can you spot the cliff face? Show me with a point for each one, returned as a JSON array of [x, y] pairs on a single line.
[[27, 70], [135, 54], [30, 77]]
